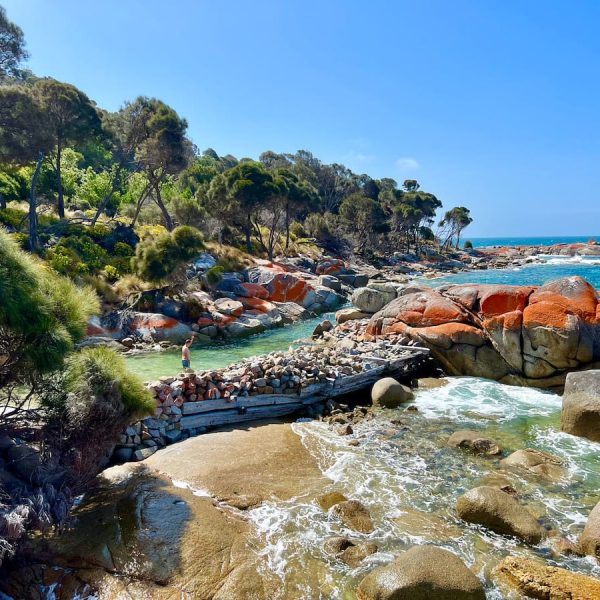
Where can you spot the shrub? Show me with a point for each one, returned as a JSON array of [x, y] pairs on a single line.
[[297, 230], [110, 272], [101, 386], [13, 218], [214, 275], [93, 256], [164, 258], [468, 245], [42, 315]]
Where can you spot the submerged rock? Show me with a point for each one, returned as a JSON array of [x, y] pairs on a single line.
[[422, 573], [589, 542], [389, 393], [536, 580], [581, 405], [349, 552], [536, 461], [326, 501], [354, 515], [475, 442], [499, 512]]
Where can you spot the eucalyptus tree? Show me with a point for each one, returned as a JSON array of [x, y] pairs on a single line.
[[363, 218], [156, 134], [25, 139], [237, 195], [454, 222], [12, 47], [72, 119]]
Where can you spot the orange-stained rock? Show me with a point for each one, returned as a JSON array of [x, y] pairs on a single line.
[[573, 294], [523, 334], [263, 306], [287, 287], [205, 321], [330, 266], [255, 290], [153, 321]]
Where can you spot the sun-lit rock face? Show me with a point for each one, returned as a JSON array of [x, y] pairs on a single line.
[[518, 334]]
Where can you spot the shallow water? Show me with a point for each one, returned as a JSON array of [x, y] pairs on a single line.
[[554, 267], [220, 354], [410, 481], [530, 241]]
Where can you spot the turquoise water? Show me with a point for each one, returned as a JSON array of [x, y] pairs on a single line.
[[152, 365], [410, 479], [530, 241], [555, 268]]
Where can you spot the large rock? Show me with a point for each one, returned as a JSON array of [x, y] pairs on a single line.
[[536, 461], [159, 327], [389, 393], [533, 579], [499, 512], [369, 300], [422, 573], [524, 335], [475, 442], [589, 542], [350, 314], [581, 405], [354, 515]]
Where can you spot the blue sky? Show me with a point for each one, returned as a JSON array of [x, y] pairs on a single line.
[[492, 104]]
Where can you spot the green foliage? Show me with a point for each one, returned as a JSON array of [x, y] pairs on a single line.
[[93, 256], [298, 230], [13, 218], [101, 385], [468, 245], [42, 315], [163, 258], [214, 275]]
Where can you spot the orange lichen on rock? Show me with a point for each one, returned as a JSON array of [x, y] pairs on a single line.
[[262, 306], [573, 295], [453, 333], [154, 321], [510, 321], [255, 290], [504, 299]]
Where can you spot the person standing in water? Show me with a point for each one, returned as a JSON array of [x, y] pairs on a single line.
[[185, 353]]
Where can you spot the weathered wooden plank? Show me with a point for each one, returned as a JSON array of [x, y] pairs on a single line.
[[206, 406], [229, 417]]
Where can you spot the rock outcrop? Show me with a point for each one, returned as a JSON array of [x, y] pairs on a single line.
[[525, 335], [589, 542], [581, 405], [422, 573], [500, 512], [533, 579], [475, 442], [536, 461], [389, 393]]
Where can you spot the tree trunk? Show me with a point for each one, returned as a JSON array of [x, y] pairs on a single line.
[[138, 207], [102, 206], [34, 241], [2, 202], [163, 208], [248, 228], [287, 226], [61, 199]]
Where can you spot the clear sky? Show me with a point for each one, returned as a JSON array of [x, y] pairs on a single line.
[[492, 104]]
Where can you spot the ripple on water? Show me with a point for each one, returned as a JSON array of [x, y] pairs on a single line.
[[410, 480]]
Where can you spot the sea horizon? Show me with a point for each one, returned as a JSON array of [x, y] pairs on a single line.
[[550, 240]]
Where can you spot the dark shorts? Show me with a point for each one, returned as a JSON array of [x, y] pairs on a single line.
[[185, 363]]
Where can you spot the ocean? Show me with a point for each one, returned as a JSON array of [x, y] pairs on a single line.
[[529, 241], [554, 267]]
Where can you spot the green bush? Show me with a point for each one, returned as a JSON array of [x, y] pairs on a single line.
[[90, 253], [297, 230], [468, 245], [164, 258], [13, 218], [101, 387], [214, 275], [42, 315]]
